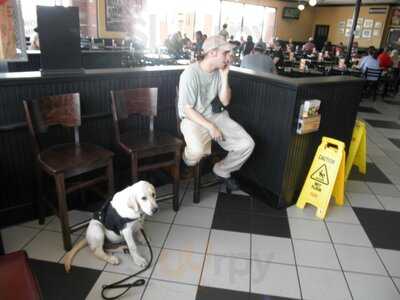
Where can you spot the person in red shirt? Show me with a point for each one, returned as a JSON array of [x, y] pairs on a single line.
[[384, 59]]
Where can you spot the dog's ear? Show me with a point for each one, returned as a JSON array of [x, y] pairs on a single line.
[[132, 201]]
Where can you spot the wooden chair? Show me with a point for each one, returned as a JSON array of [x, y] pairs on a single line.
[[373, 77], [163, 149], [216, 153], [65, 161]]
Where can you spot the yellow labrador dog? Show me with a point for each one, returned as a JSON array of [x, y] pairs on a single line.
[[117, 221]]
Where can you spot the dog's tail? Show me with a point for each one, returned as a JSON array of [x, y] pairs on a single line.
[[69, 256]]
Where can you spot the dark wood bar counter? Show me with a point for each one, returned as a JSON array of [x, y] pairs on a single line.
[[266, 105]]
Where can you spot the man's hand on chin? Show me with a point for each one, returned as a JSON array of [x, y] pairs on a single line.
[[224, 71]]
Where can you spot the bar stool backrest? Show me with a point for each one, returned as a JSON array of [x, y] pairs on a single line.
[[139, 101], [49, 111]]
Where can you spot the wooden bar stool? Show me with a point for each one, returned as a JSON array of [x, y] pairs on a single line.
[[148, 149], [65, 161]]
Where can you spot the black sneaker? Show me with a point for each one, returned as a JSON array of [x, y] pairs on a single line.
[[230, 183]]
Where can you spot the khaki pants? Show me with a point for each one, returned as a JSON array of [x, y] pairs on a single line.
[[237, 142]]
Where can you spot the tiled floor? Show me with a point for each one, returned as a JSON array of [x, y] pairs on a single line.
[[236, 247]]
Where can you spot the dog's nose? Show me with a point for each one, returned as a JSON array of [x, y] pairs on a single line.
[[154, 210]]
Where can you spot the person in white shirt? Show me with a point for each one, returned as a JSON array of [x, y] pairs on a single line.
[[34, 40], [224, 33], [370, 61]]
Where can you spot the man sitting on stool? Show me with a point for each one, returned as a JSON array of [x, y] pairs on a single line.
[[200, 84]]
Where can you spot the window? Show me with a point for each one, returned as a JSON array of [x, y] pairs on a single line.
[[246, 19], [87, 14]]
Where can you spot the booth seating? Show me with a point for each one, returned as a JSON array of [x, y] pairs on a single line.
[[17, 281], [70, 164], [147, 148]]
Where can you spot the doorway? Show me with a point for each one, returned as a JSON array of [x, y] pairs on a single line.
[[320, 35]]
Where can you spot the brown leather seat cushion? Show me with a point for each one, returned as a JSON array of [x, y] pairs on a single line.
[[16, 279]]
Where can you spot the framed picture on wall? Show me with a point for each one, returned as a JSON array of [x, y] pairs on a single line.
[[368, 23], [341, 30], [347, 32], [358, 27], [360, 21], [367, 33], [376, 32], [349, 23], [342, 24], [357, 34], [378, 25]]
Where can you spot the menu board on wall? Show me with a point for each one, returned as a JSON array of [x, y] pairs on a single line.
[[120, 14], [12, 38]]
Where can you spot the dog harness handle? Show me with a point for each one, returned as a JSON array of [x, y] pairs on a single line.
[[128, 286]]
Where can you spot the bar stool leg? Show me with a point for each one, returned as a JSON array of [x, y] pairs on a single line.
[[63, 211], [41, 206], [110, 176], [197, 182], [176, 176], [134, 168]]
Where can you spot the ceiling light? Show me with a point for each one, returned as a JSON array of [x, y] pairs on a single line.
[[312, 2], [301, 6]]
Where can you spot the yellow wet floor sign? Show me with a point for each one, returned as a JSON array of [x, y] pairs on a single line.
[[325, 177], [358, 149]]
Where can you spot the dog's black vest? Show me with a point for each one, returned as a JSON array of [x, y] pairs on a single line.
[[110, 218]]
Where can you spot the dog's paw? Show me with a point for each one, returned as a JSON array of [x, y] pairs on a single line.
[[140, 261], [113, 260]]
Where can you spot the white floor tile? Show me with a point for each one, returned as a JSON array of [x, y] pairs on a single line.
[[226, 273], [192, 239], [355, 186], [390, 203], [208, 197], [343, 214], [364, 200], [86, 259], [274, 279], [128, 267], [162, 290], [179, 266], [391, 259], [107, 278], [315, 254], [370, 287], [194, 216], [229, 243], [47, 245], [360, 259], [348, 234], [272, 249], [397, 282], [323, 284], [165, 213], [16, 237], [35, 223], [75, 217], [308, 230], [384, 189], [157, 232], [308, 212]]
